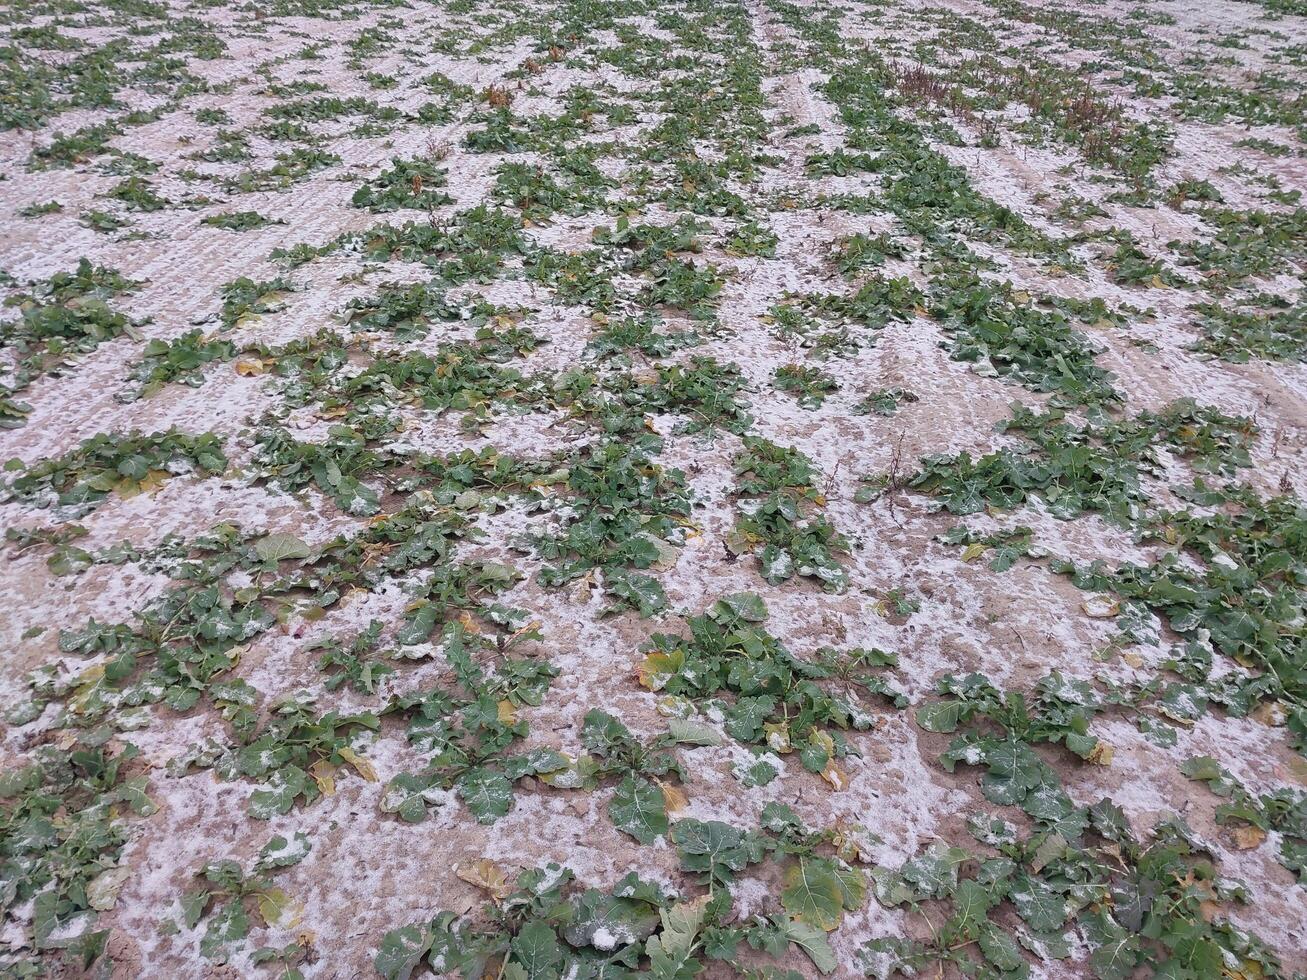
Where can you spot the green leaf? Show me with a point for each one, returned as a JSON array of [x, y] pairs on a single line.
[[1044, 909], [940, 716], [690, 732], [642, 592], [1000, 948], [230, 924], [401, 951], [970, 904], [711, 847], [608, 923], [813, 942], [669, 950], [758, 773], [891, 889], [935, 873], [193, 903], [853, 885], [535, 948], [279, 547], [1115, 959], [488, 794], [279, 796], [639, 809], [601, 733], [407, 796], [742, 605], [418, 625], [813, 894], [280, 853]]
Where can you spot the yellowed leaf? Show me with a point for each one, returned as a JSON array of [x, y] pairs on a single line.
[[674, 798], [152, 480], [778, 737], [486, 875], [1270, 713], [324, 774], [674, 706], [361, 765], [507, 713], [1248, 970], [836, 776], [102, 892], [278, 909], [658, 668], [1101, 754], [248, 367], [530, 627], [854, 842], [1247, 837], [1298, 769], [87, 683], [91, 675], [1101, 607]]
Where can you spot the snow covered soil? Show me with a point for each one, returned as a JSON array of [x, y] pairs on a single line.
[[827, 475]]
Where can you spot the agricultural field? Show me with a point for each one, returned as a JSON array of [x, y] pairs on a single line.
[[547, 489]]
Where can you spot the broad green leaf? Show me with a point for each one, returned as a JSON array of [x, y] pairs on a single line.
[[226, 926], [280, 547], [1038, 904], [193, 903], [407, 796], [940, 716], [281, 853], [1000, 948], [401, 951], [814, 943], [536, 950], [608, 923], [488, 794], [670, 949], [711, 847], [639, 809], [935, 872], [971, 902], [1116, 958], [812, 894], [279, 796], [692, 732], [744, 605]]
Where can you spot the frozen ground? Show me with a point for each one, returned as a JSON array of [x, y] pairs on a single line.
[[431, 368]]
